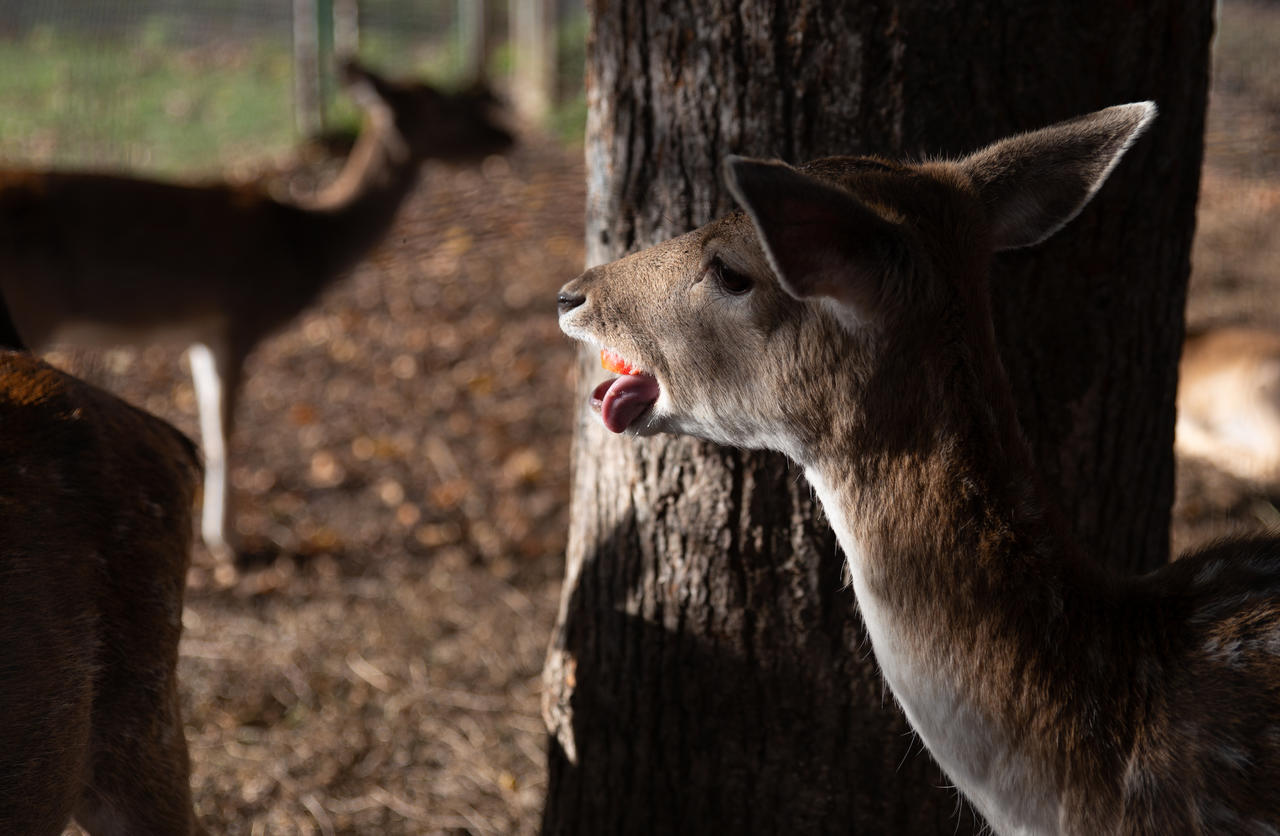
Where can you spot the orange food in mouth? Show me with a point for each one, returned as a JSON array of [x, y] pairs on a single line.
[[622, 400], [612, 361]]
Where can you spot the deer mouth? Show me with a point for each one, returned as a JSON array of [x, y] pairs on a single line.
[[622, 400]]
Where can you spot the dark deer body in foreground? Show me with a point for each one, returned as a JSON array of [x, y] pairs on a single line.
[[97, 260], [845, 321], [96, 505]]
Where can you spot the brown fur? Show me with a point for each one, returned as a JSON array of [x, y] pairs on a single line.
[[1105, 704], [1229, 402], [95, 533]]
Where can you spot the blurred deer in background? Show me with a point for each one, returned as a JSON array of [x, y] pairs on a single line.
[[96, 502], [1229, 402], [845, 320], [95, 260]]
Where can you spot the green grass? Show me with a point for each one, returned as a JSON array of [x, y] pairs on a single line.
[[146, 102], [568, 120], [75, 101]]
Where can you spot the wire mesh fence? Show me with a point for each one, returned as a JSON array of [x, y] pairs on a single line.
[[196, 87]]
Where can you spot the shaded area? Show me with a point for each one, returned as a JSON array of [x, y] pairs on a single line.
[[731, 592], [400, 468], [404, 447], [696, 730]]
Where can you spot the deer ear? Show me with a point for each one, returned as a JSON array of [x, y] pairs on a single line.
[[1034, 183], [370, 91], [820, 240]]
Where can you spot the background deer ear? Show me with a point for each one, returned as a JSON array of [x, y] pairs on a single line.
[[359, 84], [820, 240], [370, 91], [1034, 183]]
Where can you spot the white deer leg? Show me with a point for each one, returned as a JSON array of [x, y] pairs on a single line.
[[212, 398]]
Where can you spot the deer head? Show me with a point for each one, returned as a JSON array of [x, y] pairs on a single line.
[[845, 288], [429, 123]]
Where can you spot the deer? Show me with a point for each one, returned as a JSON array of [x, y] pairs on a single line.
[[1229, 402], [96, 527], [843, 318], [97, 260]]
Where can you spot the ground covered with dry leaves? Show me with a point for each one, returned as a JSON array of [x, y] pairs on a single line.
[[1235, 276], [401, 468]]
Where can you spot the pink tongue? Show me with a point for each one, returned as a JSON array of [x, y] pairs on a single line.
[[626, 398]]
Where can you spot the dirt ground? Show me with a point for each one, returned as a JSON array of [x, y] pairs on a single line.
[[1235, 277], [401, 469]]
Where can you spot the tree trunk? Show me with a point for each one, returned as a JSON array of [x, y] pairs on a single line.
[[708, 673]]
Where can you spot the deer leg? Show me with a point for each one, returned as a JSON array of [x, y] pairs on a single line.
[[215, 371]]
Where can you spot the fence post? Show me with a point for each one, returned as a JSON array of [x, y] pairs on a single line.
[[307, 107], [533, 36], [346, 28], [473, 39], [324, 55]]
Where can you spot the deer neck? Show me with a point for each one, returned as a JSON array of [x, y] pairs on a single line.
[[359, 206], [961, 573]]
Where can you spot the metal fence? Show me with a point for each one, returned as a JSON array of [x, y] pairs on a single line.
[[194, 87]]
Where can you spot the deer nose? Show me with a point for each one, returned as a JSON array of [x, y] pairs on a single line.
[[566, 302]]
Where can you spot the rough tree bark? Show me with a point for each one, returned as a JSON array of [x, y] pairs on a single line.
[[708, 673]]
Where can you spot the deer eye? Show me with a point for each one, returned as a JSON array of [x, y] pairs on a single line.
[[729, 280]]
